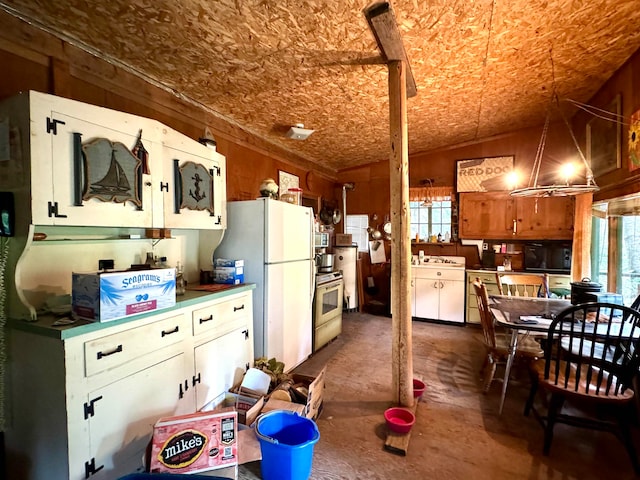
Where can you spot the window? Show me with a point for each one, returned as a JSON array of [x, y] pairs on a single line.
[[599, 250], [357, 226], [430, 211], [629, 258], [428, 219], [615, 256]]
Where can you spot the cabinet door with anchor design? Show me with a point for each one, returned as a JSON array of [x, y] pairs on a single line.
[[193, 185]]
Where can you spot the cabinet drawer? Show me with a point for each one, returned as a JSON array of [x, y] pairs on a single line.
[[558, 281], [485, 277], [437, 274], [223, 317], [119, 348]]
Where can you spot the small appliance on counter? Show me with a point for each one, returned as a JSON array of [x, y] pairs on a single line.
[[324, 261]]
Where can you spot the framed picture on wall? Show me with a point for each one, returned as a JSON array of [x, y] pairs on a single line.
[[483, 174], [604, 136], [286, 181]]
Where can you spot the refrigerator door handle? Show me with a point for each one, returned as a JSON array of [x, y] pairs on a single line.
[[313, 284]]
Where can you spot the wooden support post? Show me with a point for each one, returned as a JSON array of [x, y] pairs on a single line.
[[582, 218], [402, 359]]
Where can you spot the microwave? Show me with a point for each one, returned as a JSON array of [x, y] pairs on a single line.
[[547, 257], [321, 240]]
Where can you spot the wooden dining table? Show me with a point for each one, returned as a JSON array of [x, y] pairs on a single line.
[[523, 315]]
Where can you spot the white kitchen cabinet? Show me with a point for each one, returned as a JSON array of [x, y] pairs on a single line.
[[223, 345], [72, 164], [83, 400], [193, 188], [56, 178], [439, 293]]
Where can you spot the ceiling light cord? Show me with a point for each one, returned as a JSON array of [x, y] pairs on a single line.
[[590, 109]]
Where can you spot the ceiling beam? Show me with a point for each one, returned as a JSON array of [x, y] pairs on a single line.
[[382, 22]]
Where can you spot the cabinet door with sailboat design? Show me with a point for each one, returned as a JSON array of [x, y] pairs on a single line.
[[100, 167], [195, 176]]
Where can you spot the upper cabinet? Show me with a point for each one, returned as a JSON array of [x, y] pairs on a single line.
[[497, 215], [544, 218], [76, 164], [194, 177], [485, 215]]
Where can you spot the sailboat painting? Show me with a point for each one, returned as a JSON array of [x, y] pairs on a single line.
[[111, 172]]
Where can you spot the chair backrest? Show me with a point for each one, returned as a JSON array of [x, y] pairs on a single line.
[[593, 349], [486, 317], [526, 285], [636, 303]]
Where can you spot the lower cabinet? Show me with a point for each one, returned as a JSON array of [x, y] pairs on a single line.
[[490, 281], [437, 294], [83, 401], [559, 286], [221, 363]]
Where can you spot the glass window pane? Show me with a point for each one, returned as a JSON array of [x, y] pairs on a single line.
[[630, 268]]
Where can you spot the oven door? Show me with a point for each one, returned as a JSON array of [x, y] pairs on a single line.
[[328, 302]]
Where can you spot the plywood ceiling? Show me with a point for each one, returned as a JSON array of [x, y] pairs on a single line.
[[481, 67]]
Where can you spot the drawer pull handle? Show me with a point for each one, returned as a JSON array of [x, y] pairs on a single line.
[[210, 317], [169, 332], [241, 307], [106, 354]]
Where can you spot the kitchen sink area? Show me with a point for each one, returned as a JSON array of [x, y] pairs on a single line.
[[438, 288]]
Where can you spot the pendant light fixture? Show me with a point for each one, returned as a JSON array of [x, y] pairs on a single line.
[[427, 202], [565, 188]]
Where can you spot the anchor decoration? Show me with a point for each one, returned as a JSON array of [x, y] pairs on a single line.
[[111, 172], [198, 194], [196, 184]]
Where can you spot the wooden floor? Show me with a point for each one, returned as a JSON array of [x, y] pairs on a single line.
[[458, 433]]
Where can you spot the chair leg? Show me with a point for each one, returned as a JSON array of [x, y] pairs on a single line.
[[484, 365], [488, 377], [625, 433], [532, 395], [554, 408]]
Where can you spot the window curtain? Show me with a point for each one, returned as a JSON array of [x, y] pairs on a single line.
[[438, 194]]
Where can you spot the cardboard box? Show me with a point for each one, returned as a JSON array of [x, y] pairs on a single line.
[[344, 240], [232, 275], [275, 404], [101, 297], [315, 386], [248, 408], [197, 442], [223, 262]]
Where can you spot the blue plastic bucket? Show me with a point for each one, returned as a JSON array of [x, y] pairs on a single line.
[[286, 442]]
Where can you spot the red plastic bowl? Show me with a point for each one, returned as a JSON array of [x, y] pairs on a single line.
[[418, 388], [399, 420]]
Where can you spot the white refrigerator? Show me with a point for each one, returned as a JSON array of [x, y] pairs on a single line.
[[275, 240]]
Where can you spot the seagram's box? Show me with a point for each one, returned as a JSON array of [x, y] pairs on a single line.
[[102, 297], [195, 443]]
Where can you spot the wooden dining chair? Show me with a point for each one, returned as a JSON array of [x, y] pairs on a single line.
[[591, 358], [497, 344], [525, 285]]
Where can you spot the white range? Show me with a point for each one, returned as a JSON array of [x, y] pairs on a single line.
[[437, 288]]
